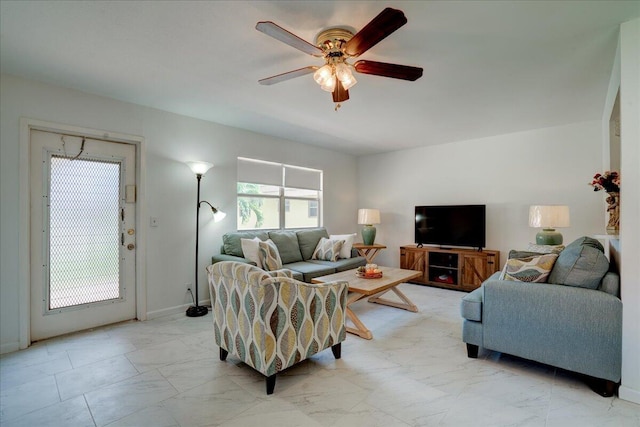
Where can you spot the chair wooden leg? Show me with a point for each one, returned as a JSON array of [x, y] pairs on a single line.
[[223, 354], [337, 350], [271, 384], [472, 351]]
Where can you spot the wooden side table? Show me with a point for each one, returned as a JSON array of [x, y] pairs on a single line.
[[368, 251]]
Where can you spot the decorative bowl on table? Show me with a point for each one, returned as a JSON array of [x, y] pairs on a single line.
[[368, 273]]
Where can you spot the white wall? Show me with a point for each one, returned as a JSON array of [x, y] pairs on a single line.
[[171, 187], [507, 173], [630, 207]]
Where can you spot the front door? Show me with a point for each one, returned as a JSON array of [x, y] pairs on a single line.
[[82, 233]]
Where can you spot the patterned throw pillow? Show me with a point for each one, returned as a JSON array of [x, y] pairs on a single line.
[[545, 249], [327, 249], [530, 269], [345, 252], [269, 256]]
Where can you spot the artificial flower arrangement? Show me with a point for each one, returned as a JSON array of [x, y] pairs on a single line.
[[608, 181]]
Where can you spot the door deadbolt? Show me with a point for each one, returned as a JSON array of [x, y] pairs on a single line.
[[131, 232], [130, 246]]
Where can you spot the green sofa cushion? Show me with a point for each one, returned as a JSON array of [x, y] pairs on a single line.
[[310, 270], [231, 241], [308, 240], [581, 264], [287, 244], [342, 264]]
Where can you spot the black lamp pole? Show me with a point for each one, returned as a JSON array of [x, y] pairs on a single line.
[[197, 310]]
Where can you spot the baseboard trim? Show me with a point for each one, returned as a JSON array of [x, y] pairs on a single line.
[[172, 310], [629, 394], [9, 347]]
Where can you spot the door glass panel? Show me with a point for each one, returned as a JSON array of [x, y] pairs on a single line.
[[84, 231]]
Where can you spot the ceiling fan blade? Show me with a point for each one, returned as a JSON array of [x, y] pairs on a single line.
[[404, 72], [279, 33], [288, 75], [380, 27], [340, 94]]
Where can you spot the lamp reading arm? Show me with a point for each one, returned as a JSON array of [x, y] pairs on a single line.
[[218, 215]]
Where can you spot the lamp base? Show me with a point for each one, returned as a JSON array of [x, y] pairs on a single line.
[[548, 236], [197, 311], [368, 234]]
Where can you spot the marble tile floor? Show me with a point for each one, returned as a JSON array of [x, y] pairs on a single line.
[[415, 372]]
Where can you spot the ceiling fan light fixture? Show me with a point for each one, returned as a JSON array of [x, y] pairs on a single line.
[[348, 82], [342, 71], [330, 84], [323, 74]]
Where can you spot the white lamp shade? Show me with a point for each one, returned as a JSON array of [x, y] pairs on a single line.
[[218, 215], [368, 216], [549, 216], [200, 168]]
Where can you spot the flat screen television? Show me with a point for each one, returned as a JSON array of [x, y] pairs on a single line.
[[453, 225]]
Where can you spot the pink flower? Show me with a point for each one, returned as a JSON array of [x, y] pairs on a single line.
[[609, 182]]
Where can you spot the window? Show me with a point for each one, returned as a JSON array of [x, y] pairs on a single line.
[[275, 195], [313, 209]]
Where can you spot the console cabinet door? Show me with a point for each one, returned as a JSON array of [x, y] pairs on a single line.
[[474, 270], [415, 260]]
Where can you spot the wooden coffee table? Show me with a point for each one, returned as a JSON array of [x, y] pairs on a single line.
[[360, 287]]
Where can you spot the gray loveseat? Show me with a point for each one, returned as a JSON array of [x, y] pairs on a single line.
[[295, 248], [573, 322]]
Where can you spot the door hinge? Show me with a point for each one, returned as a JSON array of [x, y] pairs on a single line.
[[122, 214], [122, 239]]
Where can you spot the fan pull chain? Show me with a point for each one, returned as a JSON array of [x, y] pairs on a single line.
[[338, 105]]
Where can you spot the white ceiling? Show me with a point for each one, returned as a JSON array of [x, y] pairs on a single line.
[[490, 67]]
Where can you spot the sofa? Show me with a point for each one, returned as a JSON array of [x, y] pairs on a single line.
[[295, 248], [572, 319], [271, 321]]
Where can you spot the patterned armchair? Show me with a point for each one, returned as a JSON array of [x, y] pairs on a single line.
[[271, 321]]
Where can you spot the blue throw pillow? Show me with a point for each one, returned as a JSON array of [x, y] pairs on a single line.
[[581, 264]]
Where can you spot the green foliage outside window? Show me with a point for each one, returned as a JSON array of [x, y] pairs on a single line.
[[247, 205]]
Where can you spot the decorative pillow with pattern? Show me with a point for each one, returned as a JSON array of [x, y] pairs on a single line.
[[327, 249], [545, 249], [269, 256], [345, 252], [530, 269]]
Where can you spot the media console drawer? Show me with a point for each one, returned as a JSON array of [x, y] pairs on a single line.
[[461, 269]]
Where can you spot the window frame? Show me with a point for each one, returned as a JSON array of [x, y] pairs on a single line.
[[283, 198]]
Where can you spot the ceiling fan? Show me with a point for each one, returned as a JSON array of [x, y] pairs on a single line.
[[336, 45]]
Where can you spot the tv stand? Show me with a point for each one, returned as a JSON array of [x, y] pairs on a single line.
[[451, 268]]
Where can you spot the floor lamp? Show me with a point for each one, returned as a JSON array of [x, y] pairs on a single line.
[[200, 168]]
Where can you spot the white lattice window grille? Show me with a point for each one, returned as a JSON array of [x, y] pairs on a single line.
[[83, 231]]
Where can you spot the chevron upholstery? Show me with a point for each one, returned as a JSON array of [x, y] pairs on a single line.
[[271, 321]]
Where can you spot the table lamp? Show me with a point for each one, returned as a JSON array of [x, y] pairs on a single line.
[[368, 217], [548, 218]]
